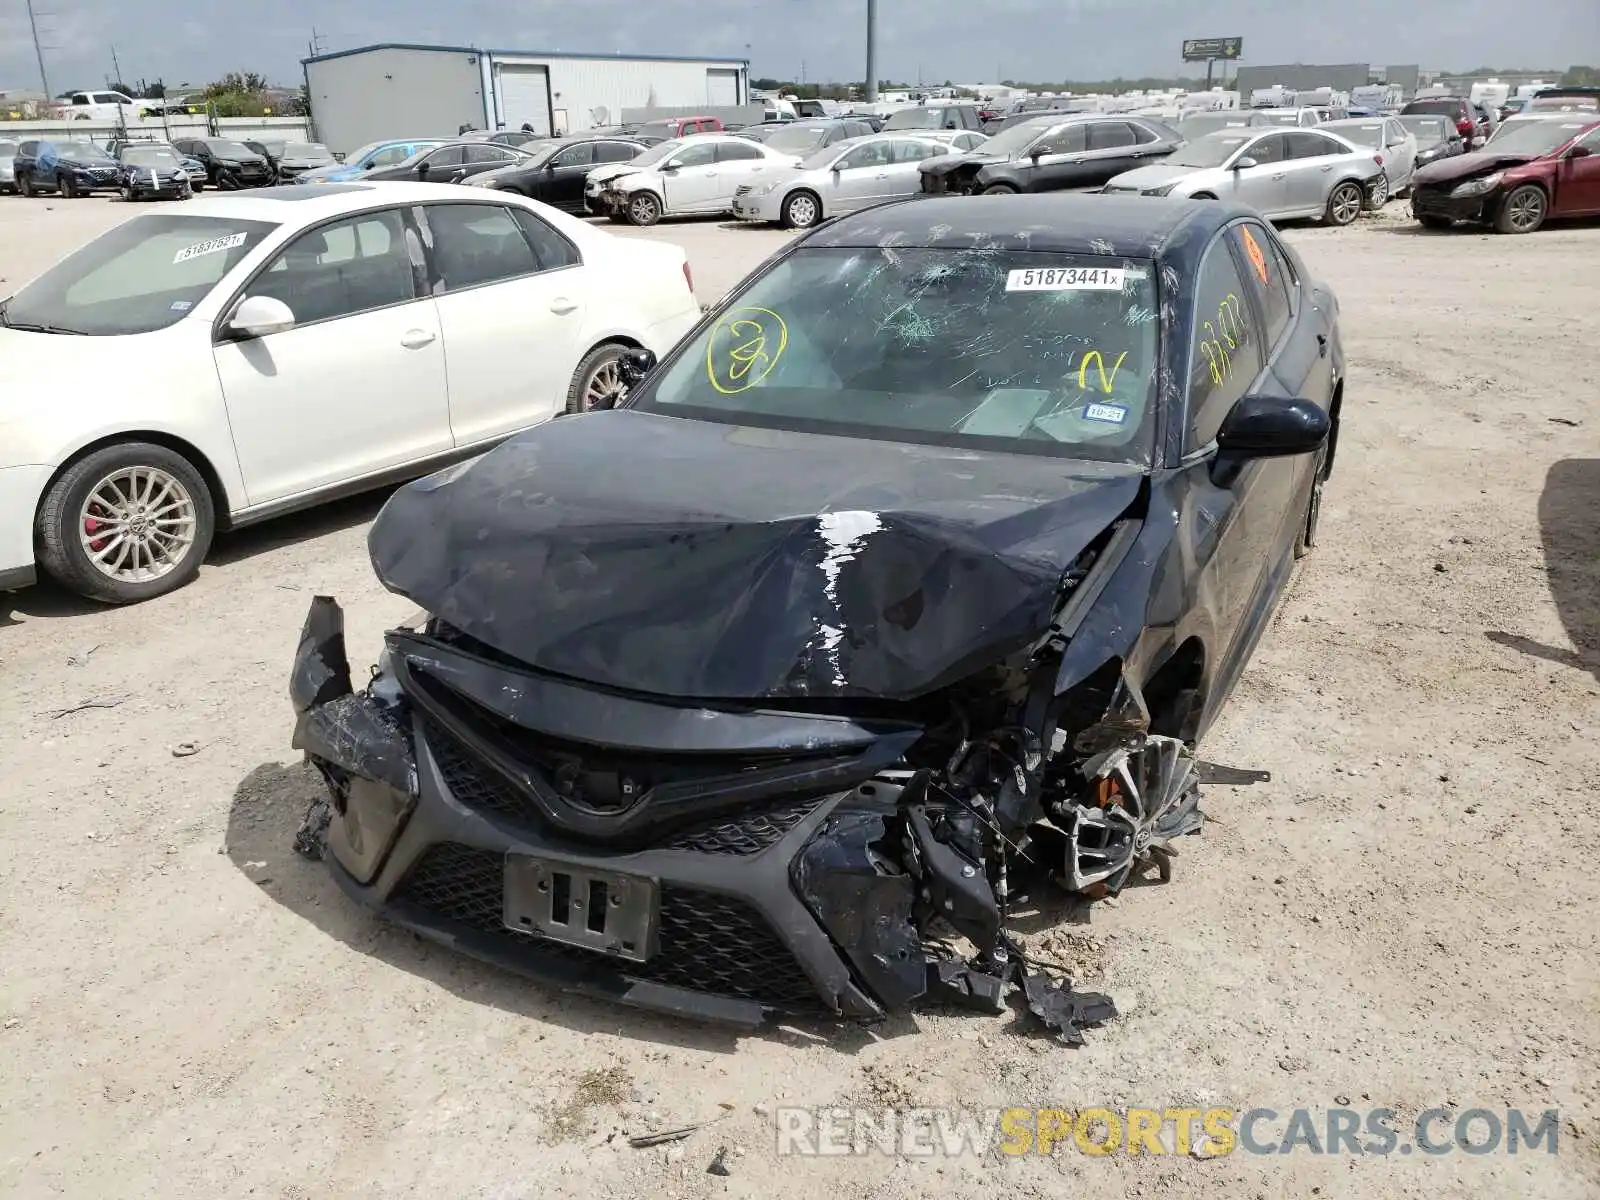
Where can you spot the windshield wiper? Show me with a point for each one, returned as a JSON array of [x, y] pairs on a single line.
[[35, 327]]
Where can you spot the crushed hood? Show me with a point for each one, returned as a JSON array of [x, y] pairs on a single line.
[[948, 164], [1464, 166], [697, 560]]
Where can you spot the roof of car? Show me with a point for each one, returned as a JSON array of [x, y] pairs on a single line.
[[1053, 222], [314, 201]]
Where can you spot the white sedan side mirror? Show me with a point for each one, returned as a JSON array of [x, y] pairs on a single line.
[[257, 316]]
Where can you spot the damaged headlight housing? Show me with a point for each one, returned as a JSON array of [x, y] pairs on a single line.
[[1163, 190], [1477, 187]]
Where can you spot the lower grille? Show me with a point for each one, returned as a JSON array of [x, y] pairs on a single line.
[[708, 942]]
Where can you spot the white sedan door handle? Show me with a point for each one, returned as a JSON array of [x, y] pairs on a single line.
[[561, 306], [416, 339]]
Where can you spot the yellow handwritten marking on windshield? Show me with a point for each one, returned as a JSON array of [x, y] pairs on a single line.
[[748, 343], [1106, 382]]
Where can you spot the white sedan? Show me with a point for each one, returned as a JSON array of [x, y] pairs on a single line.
[[218, 364], [698, 176]]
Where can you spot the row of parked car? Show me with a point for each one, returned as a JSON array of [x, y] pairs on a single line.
[[143, 168]]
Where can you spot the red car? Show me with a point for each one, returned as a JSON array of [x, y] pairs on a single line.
[[1535, 167], [676, 127]]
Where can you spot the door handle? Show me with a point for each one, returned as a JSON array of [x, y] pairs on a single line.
[[416, 339], [1327, 168], [1275, 178], [885, 175], [1322, 345], [561, 306]]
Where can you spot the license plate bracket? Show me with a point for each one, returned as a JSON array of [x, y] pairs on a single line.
[[608, 911]]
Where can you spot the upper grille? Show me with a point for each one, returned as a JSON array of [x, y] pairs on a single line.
[[708, 942], [473, 785]]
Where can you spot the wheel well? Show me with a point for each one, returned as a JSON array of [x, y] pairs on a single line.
[[1173, 693], [219, 496], [1202, 196]]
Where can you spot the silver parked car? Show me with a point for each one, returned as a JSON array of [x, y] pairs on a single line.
[[1394, 146], [841, 178], [8, 176], [1282, 173]]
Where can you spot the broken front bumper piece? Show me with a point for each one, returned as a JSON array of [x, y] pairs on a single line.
[[776, 865]]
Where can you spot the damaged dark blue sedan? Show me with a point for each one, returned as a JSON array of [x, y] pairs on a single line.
[[900, 592]]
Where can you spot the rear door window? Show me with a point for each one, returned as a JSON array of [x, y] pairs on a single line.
[[1267, 275], [474, 244], [1109, 135]]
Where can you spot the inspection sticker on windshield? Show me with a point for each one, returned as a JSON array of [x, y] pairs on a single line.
[[1111, 414], [215, 244], [1066, 279]]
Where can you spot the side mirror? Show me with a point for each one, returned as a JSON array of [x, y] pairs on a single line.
[[338, 156], [1579, 152], [1266, 427], [1245, 163], [257, 316], [423, 169], [634, 365]]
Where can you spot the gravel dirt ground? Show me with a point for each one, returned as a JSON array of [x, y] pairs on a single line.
[[1404, 917]]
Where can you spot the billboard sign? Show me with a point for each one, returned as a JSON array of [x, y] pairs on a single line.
[[1201, 49]]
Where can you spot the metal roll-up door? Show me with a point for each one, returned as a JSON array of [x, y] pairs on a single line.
[[524, 94], [722, 87]]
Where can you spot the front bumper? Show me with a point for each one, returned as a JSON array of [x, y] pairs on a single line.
[[1438, 202], [173, 187], [757, 206], [424, 830]]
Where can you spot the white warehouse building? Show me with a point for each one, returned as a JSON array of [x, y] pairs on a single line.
[[396, 90]]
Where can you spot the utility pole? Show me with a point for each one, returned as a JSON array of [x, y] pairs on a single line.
[[116, 67], [872, 51], [33, 24]]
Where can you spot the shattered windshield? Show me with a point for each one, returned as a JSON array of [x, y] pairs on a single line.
[[1035, 353]]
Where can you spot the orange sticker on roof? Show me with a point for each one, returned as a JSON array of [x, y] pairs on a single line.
[[1253, 248]]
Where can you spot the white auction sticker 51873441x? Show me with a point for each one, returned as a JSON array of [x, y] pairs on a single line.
[[1065, 279]]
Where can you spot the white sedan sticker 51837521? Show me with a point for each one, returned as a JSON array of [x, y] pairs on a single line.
[[1066, 279], [211, 247]]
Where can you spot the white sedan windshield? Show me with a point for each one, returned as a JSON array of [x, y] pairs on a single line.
[[143, 275]]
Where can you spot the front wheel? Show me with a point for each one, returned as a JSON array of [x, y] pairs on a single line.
[[597, 383], [1432, 222], [1344, 204], [25, 185], [1523, 210], [643, 209], [1000, 189], [67, 186], [127, 194], [801, 211], [126, 523]]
